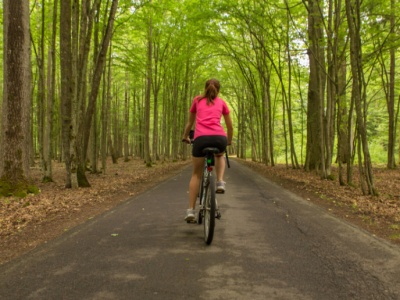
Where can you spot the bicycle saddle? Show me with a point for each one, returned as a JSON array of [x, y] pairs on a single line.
[[211, 150]]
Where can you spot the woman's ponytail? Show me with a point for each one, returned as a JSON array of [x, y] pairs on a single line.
[[211, 90]]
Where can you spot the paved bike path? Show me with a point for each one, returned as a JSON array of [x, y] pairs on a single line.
[[269, 244]]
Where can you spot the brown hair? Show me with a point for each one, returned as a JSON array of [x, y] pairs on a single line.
[[211, 90]]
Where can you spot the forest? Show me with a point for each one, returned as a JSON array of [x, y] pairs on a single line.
[[310, 84]]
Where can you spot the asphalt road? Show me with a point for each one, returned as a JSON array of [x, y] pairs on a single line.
[[269, 244]]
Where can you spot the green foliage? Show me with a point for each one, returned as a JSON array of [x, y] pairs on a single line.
[[246, 45], [378, 150]]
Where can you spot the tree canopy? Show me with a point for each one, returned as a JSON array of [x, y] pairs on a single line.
[[311, 84]]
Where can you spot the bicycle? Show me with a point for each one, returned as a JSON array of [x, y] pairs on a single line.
[[208, 209]]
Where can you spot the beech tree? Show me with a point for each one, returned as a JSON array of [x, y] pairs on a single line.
[[86, 121], [287, 69], [149, 75], [66, 85], [358, 96], [51, 92], [315, 155], [15, 137]]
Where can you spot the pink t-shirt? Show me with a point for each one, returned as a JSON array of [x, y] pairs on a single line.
[[208, 117]]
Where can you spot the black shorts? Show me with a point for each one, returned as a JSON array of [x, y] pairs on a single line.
[[217, 141]]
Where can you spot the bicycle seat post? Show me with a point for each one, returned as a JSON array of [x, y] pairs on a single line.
[[209, 153]]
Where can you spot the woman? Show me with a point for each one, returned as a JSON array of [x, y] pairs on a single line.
[[207, 110]]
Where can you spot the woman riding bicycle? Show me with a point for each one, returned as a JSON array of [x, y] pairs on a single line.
[[206, 111]]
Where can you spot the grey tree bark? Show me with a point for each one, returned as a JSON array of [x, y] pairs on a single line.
[[315, 154], [66, 87], [51, 77], [86, 122], [358, 95], [14, 153]]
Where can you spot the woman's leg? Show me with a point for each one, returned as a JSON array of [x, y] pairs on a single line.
[[220, 167], [220, 170], [198, 164]]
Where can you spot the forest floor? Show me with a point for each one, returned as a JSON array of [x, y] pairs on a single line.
[[29, 222]]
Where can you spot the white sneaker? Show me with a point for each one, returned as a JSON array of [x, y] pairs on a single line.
[[190, 215], [220, 187]]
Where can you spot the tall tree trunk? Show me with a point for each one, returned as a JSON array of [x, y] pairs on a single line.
[[135, 124], [75, 83], [93, 149], [41, 95], [391, 164], [14, 159], [126, 121], [331, 96], [242, 126], [83, 135], [293, 156], [284, 95], [66, 87], [166, 120], [48, 149], [343, 117], [186, 101], [315, 156], [108, 116], [339, 65], [105, 113], [175, 117], [302, 108], [358, 94], [94, 136], [149, 74], [83, 20], [104, 127], [266, 111], [156, 89]]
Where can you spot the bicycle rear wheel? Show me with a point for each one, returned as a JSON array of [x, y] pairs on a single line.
[[202, 190], [209, 211]]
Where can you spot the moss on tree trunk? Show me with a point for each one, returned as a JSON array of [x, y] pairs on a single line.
[[22, 188]]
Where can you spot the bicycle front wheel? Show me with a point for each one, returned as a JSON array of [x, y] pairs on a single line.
[[209, 211]]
